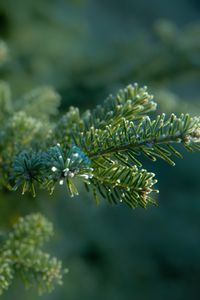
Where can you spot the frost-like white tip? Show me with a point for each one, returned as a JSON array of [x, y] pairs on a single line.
[[65, 171], [71, 174], [54, 169], [86, 176], [61, 182]]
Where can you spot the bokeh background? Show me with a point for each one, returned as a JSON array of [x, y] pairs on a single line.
[[87, 49]]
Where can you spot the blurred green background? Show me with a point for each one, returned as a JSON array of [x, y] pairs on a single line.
[[87, 49]]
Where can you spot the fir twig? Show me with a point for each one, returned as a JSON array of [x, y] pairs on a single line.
[[101, 148]]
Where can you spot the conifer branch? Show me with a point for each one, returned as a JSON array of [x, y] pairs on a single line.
[[101, 148], [119, 183], [21, 256], [131, 103], [146, 137]]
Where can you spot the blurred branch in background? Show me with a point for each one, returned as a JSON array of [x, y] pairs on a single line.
[[85, 64]]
